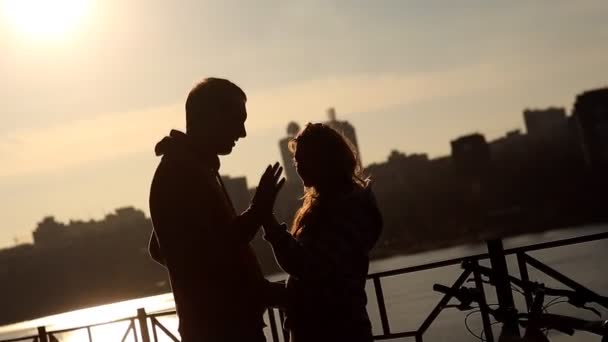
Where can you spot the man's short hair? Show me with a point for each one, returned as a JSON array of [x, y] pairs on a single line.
[[209, 96]]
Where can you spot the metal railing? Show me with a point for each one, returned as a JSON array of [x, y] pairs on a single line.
[[523, 261], [147, 328]]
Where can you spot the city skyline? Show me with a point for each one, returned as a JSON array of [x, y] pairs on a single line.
[[539, 123], [81, 114]]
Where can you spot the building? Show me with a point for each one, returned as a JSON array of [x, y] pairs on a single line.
[[400, 171], [49, 232], [345, 128], [591, 114], [546, 123], [471, 156], [288, 165], [512, 146], [125, 216], [238, 192]]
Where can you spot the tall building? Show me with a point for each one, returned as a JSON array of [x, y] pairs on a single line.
[[238, 192], [546, 123], [591, 113], [471, 154], [472, 160], [345, 128], [288, 165]]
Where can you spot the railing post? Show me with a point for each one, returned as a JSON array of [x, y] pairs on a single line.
[[90, 334], [502, 283], [523, 271], [273, 325], [483, 305], [42, 336], [386, 328], [282, 320], [154, 332], [142, 317]]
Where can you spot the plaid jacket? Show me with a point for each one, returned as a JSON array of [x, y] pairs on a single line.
[[327, 262]]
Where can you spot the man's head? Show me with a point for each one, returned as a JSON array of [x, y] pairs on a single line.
[[216, 114]]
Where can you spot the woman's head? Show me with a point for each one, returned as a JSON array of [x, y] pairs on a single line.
[[327, 163], [324, 158]]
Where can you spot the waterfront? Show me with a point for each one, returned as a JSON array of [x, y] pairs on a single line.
[[409, 298]]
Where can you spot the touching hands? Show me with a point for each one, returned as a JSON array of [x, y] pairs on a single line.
[[271, 225]]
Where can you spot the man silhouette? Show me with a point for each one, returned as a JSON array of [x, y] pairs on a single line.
[[220, 292]]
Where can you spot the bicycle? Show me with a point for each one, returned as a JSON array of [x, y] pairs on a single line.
[[536, 319]]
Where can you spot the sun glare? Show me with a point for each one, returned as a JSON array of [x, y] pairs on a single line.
[[45, 18]]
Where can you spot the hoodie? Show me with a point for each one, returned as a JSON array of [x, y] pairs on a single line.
[[215, 277]]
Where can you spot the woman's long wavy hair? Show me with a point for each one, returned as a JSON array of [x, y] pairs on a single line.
[[328, 150]]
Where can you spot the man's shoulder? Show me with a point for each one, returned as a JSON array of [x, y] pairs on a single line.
[[175, 172]]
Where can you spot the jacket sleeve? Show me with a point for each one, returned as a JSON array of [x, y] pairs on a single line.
[[244, 227], [181, 216], [188, 220], [330, 253]]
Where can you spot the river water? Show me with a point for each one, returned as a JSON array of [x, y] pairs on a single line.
[[409, 298]]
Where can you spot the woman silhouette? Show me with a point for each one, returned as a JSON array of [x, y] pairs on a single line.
[[326, 251]]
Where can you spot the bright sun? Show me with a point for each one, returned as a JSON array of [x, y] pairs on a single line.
[[45, 18]]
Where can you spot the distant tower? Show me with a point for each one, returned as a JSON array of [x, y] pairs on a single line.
[[591, 114], [288, 165], [345, 128]]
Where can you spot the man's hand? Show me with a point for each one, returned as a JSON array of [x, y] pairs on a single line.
[[272, 225], [274, 230], [269, 186]]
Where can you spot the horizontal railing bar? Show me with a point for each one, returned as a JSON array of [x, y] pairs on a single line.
[[162, 314], [456, 261], [558, 243], [424, 267], [63, 331], [18, 339], [396, 335]]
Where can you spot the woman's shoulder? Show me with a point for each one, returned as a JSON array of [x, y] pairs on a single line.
[[360, 197], [358, 210]]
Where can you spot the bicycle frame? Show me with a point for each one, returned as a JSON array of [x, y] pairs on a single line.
[[506, 312]]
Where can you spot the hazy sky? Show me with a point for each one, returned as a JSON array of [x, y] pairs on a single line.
[[80, 111]]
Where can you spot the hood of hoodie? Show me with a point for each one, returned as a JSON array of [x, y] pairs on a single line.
[[177, 145]]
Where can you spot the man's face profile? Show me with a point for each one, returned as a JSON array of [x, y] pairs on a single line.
[[229, 125]]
